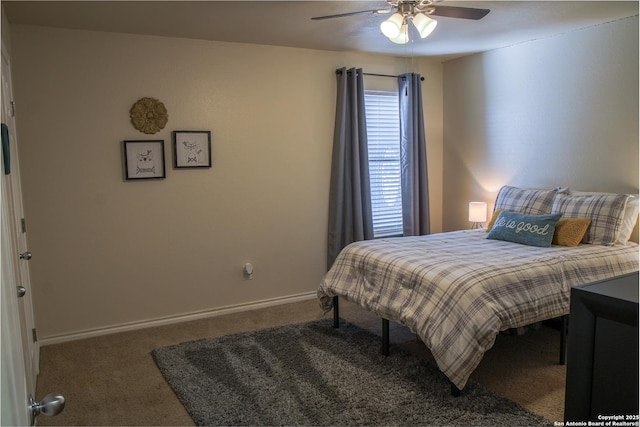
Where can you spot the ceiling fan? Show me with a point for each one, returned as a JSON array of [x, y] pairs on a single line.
[[417, 11]]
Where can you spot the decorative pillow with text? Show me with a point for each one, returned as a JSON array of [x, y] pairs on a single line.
[[532, 230]]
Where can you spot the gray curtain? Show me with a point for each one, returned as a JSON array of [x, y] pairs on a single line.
[[350, 217], [415, 189]]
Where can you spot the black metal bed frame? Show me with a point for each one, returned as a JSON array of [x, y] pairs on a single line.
[[455, 391]]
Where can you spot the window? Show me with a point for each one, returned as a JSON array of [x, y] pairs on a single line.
[[383, 135]]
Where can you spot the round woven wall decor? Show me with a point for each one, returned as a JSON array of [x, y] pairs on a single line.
[[149, 115]]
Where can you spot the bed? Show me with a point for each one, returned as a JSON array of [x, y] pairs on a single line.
[[458, 290]]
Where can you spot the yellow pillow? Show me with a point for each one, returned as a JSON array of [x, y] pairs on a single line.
[[493, 219], [570, 231]]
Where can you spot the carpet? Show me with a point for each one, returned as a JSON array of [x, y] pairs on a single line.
[[313, 374]]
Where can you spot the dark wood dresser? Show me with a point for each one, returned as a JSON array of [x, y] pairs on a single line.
[[602, 364]]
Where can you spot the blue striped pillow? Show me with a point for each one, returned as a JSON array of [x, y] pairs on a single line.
[[525, 200], [606, 211]]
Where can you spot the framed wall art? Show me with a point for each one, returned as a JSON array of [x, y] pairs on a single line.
[[144, 160], [191, 149]]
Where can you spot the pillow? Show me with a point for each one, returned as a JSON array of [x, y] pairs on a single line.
[[526, 201], [532, 230], [570, 231], [493, 219], [629, 219], [604, 209]]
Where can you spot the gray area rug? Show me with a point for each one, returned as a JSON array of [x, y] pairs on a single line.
[[313, 374]]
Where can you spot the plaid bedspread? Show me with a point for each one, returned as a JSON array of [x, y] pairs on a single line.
[[458, 290]]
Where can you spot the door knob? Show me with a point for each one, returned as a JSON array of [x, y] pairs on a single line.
[[26, 255], [51, 405], [21, 291]]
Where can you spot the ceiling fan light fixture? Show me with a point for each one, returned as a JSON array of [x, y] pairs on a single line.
[[403, 37], [424, 24], [392, 27]]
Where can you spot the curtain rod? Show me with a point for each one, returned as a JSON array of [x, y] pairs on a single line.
[[339, 71]]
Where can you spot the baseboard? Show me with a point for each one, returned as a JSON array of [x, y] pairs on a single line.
[[123, 327]]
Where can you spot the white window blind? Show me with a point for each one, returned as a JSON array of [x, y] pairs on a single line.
[[383, 135]]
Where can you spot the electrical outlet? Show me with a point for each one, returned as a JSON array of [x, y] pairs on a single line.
[[247, 271]]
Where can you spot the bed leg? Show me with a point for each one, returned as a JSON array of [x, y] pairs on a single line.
[[336, 313], [385, 337], [455, 391], [564, 320]]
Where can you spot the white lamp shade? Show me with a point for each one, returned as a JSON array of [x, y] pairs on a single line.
[[424, 24], [403, 37], [392, 26], [477, 211]]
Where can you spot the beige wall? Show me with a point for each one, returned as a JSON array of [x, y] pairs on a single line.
[[560, 111], [4, 30], [109, 252]]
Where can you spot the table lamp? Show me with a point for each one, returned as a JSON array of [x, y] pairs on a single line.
[[477, 213]]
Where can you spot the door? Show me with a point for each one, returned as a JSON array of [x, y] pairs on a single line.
[[14, 411], [14, 240]]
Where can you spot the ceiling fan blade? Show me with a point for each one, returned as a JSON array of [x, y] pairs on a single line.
[[460, 12], [361, 12]]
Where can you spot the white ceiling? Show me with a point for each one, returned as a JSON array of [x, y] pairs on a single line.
[[288, 23]]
